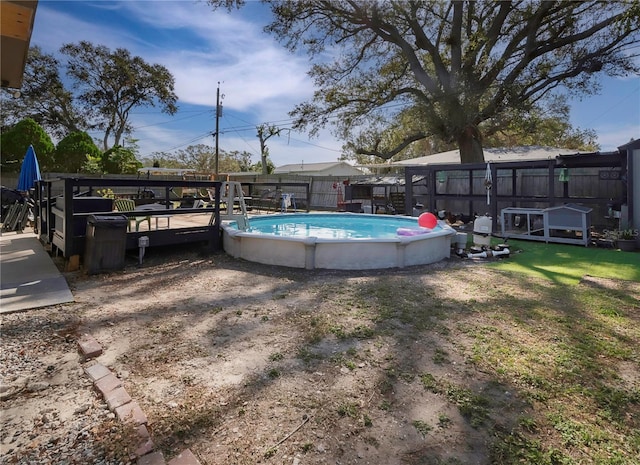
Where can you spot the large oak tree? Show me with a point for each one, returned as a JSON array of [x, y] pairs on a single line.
[[390, 73], [105, 87], [114, 83]]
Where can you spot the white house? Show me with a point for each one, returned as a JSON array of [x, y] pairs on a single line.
[[334, 168]]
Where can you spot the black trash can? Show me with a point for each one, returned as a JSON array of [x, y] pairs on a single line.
[[105, 243]]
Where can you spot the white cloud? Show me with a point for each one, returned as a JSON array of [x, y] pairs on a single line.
[[260, 79], [54, 28], [201, 48], [255, 82]]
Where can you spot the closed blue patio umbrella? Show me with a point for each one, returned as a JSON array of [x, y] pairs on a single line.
[[30, 170]]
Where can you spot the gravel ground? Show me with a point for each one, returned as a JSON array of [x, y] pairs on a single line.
[[50, 413], [227, 358]]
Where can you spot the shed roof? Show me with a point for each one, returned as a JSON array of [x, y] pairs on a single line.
[[570, 206], [17, 25]]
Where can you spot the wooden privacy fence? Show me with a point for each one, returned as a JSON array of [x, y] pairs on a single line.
[[311, 192], [462, 189], [456, 188]]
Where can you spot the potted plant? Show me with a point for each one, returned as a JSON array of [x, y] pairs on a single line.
[[626, 239]]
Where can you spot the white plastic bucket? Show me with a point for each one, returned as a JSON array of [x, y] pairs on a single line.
[[461, 240]]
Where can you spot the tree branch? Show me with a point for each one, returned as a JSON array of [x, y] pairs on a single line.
[[386, 155]]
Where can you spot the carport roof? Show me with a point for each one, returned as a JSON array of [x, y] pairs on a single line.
[[16, 26]]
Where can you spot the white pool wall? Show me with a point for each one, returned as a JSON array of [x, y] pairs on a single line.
[[339, 254]]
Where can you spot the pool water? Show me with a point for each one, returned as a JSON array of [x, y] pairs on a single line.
[[339, 241], [332, 226]]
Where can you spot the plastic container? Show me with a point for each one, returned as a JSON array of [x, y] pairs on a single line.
[[461, 241], [105, 243], [482, 229]]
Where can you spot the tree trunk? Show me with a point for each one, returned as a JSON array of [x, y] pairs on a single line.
[[105, 141], [470, 145], [263, 152]]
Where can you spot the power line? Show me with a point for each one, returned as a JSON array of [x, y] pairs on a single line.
[[245, 141], [195, 139], [316, 145], [172, 121], [601, 114]]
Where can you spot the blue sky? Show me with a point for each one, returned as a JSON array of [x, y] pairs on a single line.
[[260, 80]]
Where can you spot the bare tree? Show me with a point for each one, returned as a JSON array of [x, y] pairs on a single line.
[[265, 132]]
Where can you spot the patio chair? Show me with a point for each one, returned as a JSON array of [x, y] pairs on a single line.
[[128, 205]]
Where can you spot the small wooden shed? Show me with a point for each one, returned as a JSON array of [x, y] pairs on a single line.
[[569, 224]]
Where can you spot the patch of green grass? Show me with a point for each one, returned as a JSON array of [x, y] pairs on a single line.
[[423, 427], [317, 329], [615, 403], [610, 312], [348, 409], [431, 384], [339, 332], [568, 264], [440, 357], [559, 354], [472, 406], [307, 355], [528, 424], [577, 433], [515, 448], [562, 347], [444, 421], [362, 332], [350, 364]]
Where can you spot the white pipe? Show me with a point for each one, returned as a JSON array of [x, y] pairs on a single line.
[[497, 253], [488, 253], [477, 255]]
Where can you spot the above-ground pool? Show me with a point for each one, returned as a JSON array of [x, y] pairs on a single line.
[[343, 241]]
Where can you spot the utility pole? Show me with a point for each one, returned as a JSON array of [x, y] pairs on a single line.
[[218, 115]]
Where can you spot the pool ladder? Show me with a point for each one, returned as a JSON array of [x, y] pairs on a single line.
[[232, 194]]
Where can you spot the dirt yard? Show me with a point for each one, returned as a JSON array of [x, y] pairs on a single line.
[[244, 364]]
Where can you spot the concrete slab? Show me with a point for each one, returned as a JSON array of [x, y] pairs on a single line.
[[28, 277]]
